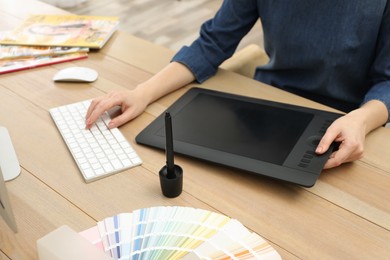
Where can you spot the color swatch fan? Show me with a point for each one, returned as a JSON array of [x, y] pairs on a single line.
[[177, 233]]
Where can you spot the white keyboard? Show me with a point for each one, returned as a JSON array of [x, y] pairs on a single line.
[[99, 151]]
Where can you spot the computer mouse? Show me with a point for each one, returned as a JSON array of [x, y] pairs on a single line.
[[76, 74]]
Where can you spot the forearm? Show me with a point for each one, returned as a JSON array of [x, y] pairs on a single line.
[[373, 113], [171, 78]]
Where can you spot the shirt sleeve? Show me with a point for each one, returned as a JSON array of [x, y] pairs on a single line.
[[219, 38], [380, 71]]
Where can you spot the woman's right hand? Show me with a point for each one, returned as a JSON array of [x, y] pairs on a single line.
[[132, 103]]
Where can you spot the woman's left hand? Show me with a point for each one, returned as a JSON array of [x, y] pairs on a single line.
[[350, 132]]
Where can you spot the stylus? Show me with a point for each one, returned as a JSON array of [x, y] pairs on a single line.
[[169, 146]]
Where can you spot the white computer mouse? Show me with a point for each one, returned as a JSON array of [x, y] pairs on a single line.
[[76, 74]]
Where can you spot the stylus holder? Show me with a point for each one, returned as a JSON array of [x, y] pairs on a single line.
[[173, 186]]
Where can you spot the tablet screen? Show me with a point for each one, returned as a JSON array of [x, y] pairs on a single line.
[[244, 128]]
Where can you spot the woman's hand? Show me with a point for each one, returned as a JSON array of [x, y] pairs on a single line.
[[132, 104], [350, 132]]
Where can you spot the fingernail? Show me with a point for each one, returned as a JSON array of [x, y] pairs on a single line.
[[319, 149], [111, 125]]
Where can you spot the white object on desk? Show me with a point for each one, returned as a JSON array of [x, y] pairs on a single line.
[[8, 160], [5, 206], [172, 232], [76, 74], [99, 151], [64, 244]]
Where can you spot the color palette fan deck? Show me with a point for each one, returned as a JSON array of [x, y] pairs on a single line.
[[177, 233]]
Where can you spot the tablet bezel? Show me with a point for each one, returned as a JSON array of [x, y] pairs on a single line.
[[302, 166]]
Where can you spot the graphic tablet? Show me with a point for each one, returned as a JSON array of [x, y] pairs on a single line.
[[263, 137]]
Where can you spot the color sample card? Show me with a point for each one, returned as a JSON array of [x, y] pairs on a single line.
[[177, 233]]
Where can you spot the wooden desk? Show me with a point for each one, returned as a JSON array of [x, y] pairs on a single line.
[[346, 215]]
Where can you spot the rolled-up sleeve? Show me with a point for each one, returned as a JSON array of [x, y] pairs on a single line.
[[218, 38], [380, 71]]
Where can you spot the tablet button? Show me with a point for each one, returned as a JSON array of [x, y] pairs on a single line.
[[303, 165], [309, 152], [314, 140], [305, 160]]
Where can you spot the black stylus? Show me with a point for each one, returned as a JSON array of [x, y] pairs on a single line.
[[169, 146], [171, 175]]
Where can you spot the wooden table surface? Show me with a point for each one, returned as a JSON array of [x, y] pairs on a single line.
[[346, 215]]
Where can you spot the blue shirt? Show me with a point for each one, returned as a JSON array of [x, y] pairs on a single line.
[[336, 52]]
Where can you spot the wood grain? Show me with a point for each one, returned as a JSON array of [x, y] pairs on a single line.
[[346, 215]]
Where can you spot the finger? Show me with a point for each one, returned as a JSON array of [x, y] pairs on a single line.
[[119, 120], [332, 162], [97, 108], [326, 141], [91, 107], [93, 114], [123, 118], [88, 120], [343, 155]]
